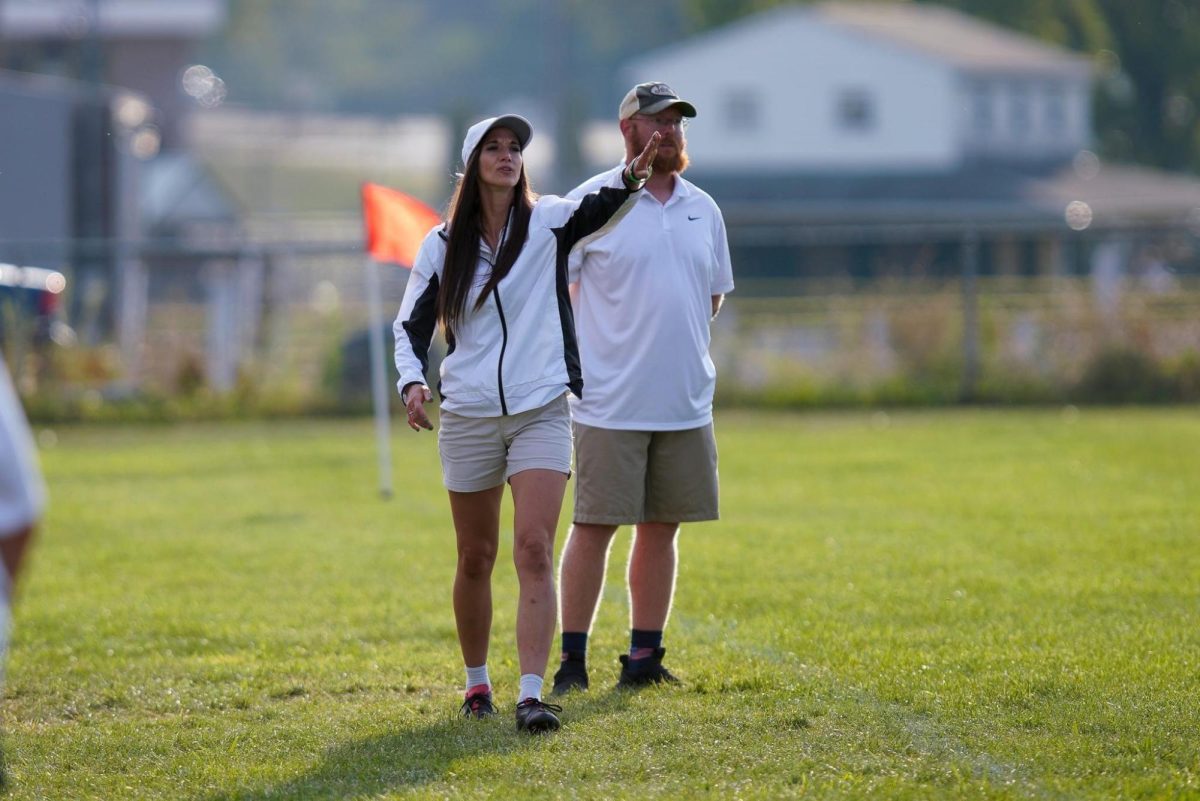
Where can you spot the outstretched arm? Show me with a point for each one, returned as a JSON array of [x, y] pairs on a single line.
[[606, 206]]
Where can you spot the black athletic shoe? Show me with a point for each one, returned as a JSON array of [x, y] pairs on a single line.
[[571, 675], [652, 672], [478, 706], [537, 717]]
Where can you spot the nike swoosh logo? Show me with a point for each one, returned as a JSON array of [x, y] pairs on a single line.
[[693, 219]]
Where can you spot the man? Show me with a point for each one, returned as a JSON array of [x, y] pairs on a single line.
[[22, 498], [644, 446]]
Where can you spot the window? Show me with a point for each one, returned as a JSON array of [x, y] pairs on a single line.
[[855, 110], [982, 109], [1020, 117], [1056, 111], [743, 110]]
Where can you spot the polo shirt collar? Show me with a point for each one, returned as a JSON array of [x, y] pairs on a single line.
[[681, 191]]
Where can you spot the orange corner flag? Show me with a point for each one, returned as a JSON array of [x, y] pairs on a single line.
[[396, 224]]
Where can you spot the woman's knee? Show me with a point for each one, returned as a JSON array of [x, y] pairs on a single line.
[[476, 561], [534, 555]]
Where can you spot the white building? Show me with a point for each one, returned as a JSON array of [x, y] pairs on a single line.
[[873, 86], [857, 140]]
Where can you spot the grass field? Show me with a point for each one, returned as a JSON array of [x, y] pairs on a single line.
[[967, 604]]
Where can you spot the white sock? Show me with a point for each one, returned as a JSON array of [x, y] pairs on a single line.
[[477, 676], [531, 687]]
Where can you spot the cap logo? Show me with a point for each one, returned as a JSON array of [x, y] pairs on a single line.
[[661, 89]]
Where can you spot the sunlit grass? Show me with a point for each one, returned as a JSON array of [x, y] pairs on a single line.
[[975, 604]]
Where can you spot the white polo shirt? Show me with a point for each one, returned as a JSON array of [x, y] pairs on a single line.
[[642, 311]]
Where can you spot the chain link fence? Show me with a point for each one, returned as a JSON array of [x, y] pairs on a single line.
[[283, 327]]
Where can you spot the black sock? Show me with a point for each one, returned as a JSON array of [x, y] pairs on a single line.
[[574, 645]]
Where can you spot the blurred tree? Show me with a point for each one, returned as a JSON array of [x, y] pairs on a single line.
[[1148, 92], [396, 56], [701, 15], [1075, 24], [392, 56]]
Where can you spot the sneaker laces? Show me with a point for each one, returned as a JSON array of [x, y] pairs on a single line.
[[477, 701], [536, 702]]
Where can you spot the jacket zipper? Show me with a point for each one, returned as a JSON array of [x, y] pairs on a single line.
[[503, 346]]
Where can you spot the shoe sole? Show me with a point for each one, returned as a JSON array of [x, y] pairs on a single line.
[[542, 729], [634, 684]]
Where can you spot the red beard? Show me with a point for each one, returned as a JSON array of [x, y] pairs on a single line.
[[675, 163]]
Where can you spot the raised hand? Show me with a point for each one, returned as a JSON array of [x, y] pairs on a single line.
[[642, 166]]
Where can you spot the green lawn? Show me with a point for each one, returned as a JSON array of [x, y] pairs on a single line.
[[967, 604]]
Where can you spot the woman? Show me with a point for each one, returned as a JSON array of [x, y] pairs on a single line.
[[495, 278]]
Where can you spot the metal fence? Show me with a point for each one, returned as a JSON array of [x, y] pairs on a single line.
[[288, 321], [992, 339]]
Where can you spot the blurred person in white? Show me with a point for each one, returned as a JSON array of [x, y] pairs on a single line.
[[645, 450], [495, 278], [22, 501]]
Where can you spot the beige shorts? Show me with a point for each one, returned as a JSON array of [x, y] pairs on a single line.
[[625, 477], [479, 453]]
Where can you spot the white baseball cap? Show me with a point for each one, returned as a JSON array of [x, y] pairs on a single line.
[[513, 122]]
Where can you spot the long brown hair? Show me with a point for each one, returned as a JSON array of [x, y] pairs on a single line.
[[464, 218]]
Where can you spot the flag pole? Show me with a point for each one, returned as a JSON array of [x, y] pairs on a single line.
[[379, 390], [395, 226]]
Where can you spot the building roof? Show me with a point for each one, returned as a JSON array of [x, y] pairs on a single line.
[[177, 191], [934, 32], [66, 19], [1122, 192], [982, 195], [967, 42]]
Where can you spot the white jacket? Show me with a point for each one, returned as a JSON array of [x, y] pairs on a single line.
[[518, 350]]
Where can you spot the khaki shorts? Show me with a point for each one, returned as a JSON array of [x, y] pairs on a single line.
[[479, 453], [625, 477]]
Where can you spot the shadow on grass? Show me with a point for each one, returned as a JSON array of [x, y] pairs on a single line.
[[419, 756]]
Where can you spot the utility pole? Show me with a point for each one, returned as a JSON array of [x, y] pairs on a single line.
[[3, 45], [970, 308], [562, 86], [91, 300]]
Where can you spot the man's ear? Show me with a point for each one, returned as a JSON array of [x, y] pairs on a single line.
[[626, 124]]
